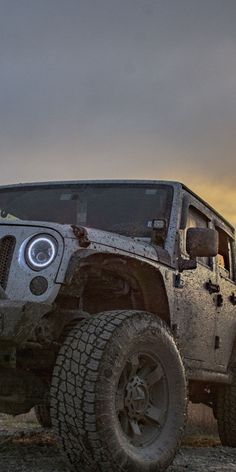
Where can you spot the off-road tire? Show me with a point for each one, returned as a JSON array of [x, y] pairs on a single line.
[[83, 392], [226, 413], [42, 413]]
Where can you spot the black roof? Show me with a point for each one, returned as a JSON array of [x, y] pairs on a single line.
[[118, 181]]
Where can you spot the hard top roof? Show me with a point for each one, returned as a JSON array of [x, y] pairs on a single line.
[[118, 181]]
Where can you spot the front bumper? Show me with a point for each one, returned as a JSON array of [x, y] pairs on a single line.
[[19, 319]]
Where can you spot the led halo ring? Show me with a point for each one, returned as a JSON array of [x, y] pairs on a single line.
[[31, 260]]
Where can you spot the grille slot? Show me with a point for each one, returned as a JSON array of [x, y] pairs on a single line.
[[7, 246]]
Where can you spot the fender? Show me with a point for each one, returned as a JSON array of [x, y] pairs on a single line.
[[103, 280]]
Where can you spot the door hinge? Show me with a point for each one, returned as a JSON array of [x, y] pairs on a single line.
[[212, 288], [233, 299]]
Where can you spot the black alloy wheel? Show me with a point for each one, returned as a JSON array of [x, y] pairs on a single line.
[[142, 398]]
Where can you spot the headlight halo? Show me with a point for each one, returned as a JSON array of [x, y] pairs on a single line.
[[41, 250]]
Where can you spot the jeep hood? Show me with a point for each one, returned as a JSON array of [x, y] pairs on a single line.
[[96, 237]]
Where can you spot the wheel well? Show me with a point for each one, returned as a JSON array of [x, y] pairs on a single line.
[[106, 282]]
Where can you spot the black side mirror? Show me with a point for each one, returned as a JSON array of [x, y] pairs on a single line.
[[202, 242]]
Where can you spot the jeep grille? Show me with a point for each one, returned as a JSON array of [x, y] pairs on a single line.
[[7, 245]]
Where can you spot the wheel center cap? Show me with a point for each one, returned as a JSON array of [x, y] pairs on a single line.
[[137, 397]]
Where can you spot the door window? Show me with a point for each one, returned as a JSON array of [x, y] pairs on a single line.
[[224, 258]]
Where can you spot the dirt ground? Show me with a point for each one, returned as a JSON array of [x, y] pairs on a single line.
[[26, 447]]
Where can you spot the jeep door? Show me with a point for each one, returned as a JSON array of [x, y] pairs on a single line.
[[195, 305], [226, 298]]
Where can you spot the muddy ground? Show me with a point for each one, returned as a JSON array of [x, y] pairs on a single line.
[[26, 447]]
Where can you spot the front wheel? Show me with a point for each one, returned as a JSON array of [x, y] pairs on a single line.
[[42, 413], [119, 394]]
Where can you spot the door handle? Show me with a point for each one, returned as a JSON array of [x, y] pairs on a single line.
[[219, 300]]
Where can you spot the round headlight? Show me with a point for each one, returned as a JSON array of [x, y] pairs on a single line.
[[40, 252]]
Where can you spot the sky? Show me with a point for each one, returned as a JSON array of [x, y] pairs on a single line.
[[133, 89]]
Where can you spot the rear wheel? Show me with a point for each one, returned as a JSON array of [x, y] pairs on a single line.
[[119, 394], [226, 413]]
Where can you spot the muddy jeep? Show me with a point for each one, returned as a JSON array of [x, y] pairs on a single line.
[[114, 295]]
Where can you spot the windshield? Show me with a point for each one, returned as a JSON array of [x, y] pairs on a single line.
[[122, 208]]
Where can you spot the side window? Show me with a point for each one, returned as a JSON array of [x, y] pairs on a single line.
[[196, 219], [224, 257]]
